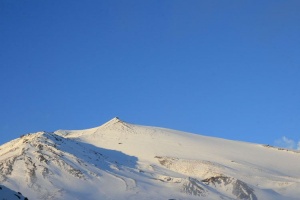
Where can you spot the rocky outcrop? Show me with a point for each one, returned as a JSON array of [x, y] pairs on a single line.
[[237, 187]]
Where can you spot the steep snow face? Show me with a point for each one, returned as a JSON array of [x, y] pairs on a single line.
[[6, 193], [53, 167], [119, 160]]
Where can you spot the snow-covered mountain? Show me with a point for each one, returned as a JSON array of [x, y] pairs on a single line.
[[119, 160]]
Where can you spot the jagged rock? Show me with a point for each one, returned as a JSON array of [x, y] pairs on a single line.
[[239, 189], [194, 187]]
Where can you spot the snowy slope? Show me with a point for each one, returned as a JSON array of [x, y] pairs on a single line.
[[6, 193], [119, 160]]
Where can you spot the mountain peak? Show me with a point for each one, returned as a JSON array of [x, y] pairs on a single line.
[[114, 120]]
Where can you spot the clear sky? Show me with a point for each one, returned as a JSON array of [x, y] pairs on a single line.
[[228, 69]]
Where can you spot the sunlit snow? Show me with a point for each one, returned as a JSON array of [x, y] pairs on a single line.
[[119, 160]]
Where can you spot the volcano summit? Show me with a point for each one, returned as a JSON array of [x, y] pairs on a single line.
[[119, 160]]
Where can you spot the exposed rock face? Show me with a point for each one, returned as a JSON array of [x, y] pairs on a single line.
[[198, 168], [238, 188], [34, 153], [194, 187]]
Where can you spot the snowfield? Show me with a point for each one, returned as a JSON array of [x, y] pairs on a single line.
[[6, 194], [119, 160]]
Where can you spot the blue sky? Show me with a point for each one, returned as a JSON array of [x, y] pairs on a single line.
[[228, 69]]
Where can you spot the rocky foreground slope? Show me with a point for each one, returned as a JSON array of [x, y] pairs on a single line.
[[119, 160]]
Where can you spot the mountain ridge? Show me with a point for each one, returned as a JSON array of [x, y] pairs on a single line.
[[144, 162]]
